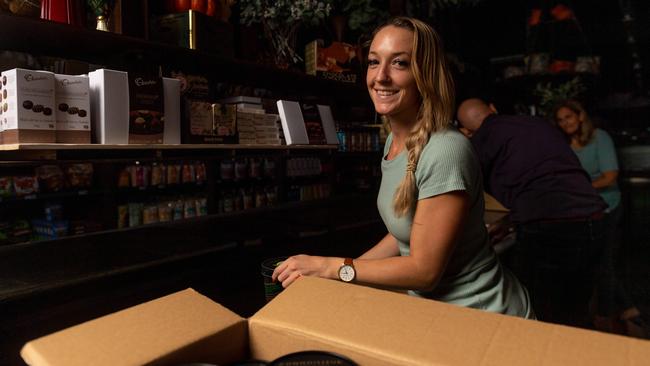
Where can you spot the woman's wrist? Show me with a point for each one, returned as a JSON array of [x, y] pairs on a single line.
[[333, 265]]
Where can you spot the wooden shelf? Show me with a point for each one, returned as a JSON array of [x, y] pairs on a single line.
[[41, 147], [37, 152]]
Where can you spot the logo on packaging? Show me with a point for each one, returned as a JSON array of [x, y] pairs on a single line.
[[142, 82], [31, 77], [66, 82]]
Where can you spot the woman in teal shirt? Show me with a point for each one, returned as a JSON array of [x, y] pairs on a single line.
[[431, 194], [597, 155]]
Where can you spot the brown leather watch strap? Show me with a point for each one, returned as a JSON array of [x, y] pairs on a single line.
[[348, 261]]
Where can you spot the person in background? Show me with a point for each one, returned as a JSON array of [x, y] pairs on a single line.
[[528, 167], [615, 310], [431, 193]]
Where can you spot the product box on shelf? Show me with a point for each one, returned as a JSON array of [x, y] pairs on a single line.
[[109, 104], [210, 123], [192, 29], [27, 106], [133, 108], [146, 109], [172, 89], [257, 128], [72, 97], [305, 123], [368, 326], [338, 61]]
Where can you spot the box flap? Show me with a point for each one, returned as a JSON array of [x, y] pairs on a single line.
[[491, 204], [179, 328], [375, 327]]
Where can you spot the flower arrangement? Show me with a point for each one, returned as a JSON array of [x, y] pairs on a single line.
[[281, 20], [550, 96]]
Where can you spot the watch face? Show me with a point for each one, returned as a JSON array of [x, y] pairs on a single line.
[[346, 273]]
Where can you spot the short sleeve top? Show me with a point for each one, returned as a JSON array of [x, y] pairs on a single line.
[[599, 156]]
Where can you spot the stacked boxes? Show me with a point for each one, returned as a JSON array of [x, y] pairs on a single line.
[[258, 128]]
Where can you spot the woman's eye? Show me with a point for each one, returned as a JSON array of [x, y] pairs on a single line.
[[400, 63], [373, 62]]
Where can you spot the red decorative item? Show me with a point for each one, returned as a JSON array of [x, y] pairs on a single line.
[[561, 12], [62, 11], [211, 9], [183, 5], [199, 5], [558, 66], [170, 6], [535, 17]]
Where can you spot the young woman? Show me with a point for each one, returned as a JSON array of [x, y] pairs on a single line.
[[597, 155], [431, 193]]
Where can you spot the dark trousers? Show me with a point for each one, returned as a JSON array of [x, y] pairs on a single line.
[[612, 298], [556, 261]]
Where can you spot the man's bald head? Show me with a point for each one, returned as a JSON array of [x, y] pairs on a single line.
[[472, 113]]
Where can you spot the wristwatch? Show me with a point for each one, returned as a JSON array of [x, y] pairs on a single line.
[[347, 273]]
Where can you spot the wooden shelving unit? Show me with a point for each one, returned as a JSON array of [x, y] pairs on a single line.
[[46, 285]]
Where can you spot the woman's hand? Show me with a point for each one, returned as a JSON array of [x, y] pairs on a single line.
[[304, 265]]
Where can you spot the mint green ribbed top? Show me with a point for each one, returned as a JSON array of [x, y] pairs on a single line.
[[474, 276]]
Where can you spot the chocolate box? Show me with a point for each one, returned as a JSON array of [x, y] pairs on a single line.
[[27, 106], [72, 97]]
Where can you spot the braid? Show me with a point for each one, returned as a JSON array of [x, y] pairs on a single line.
[[436, 88]]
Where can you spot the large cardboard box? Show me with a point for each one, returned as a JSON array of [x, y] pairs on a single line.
[[370, 326]]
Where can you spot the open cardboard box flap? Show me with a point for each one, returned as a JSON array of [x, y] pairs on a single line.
[[182, 327], [370, 326]]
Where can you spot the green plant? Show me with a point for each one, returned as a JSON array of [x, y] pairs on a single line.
[[281, 19], [425, 9], [550, 95]]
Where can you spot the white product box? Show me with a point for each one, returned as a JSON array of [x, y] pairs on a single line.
[[109, 106], [327, 119], [109, 96], [28, 106], [172, 90], [72, 96]]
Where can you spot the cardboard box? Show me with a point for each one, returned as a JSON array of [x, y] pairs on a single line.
[[338, 61], [72, 108], [27, 106], [370, 326]]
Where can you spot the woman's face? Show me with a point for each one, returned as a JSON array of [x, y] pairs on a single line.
[[568, 120], [390, 82]]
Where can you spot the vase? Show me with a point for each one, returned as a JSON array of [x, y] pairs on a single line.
[[282, 44]]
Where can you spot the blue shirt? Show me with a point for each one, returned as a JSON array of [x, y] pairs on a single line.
[[599, 156], [530, 168]]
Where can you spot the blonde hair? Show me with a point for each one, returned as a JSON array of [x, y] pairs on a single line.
[[586, 129], [436, 89]]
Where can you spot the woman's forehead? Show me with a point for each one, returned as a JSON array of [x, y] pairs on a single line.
[[393, 38]]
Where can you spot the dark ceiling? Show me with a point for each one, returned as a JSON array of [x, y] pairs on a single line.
[[497, 28]]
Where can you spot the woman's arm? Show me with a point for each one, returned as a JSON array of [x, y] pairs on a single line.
[[386, 247], [607, 179], [436, 225]]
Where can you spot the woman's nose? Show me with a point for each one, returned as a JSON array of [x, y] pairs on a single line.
[[382, 74]]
